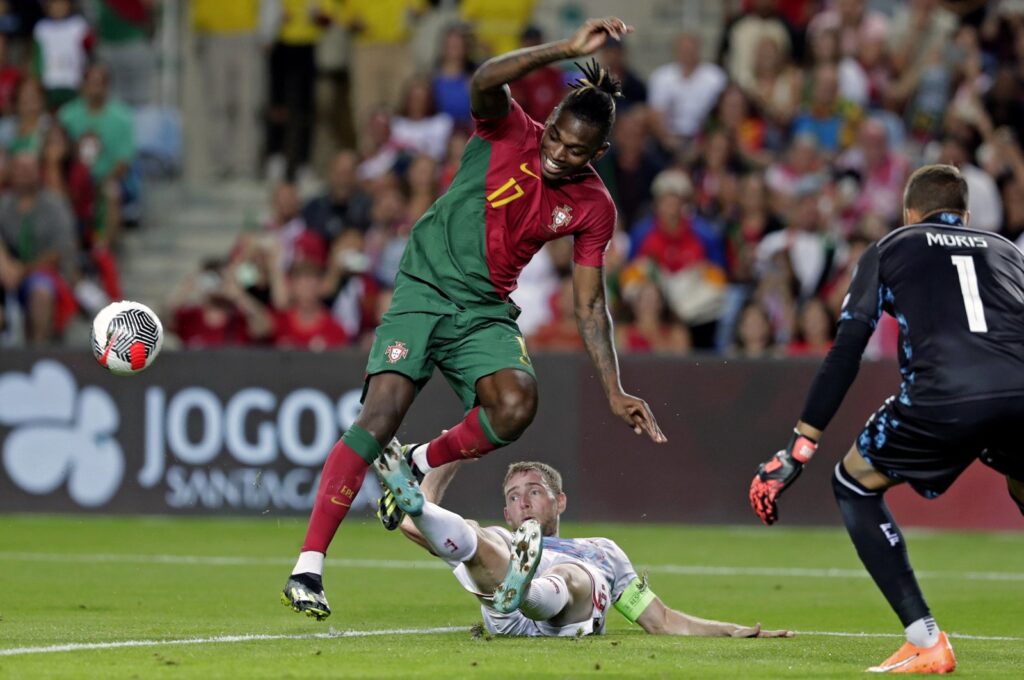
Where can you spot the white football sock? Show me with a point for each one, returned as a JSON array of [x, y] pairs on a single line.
[[419, 458], [310, 563], [923, 632], [548, 595], [449, 536]]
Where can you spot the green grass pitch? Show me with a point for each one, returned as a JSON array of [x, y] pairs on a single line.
[[74, 580]]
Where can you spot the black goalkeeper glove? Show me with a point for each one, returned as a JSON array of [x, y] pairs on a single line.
[[775, 476]]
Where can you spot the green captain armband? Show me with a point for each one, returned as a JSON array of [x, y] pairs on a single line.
[[635, 598]]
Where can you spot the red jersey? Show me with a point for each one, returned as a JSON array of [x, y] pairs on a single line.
[[673, 252], [323, 333], [499, 211]]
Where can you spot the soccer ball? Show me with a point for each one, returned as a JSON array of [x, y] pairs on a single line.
[[126, 337]]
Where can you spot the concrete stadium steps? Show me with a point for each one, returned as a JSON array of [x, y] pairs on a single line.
[[181, 227]]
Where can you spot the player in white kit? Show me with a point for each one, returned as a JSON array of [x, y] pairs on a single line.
[[530, 582]]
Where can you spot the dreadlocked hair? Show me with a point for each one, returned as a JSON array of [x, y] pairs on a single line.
[[593, 97]]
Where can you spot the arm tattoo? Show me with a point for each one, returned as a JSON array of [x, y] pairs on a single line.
[[595, 327]]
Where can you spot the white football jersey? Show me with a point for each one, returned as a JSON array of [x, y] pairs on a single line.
[[605, 562]]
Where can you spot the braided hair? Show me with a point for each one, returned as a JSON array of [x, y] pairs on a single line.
[[593, 97]]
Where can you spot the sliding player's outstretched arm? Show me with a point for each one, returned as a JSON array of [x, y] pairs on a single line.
[[595, 327], [658, 619], [488, 91]]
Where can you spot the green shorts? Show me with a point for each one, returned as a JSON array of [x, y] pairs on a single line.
[[423, 329]]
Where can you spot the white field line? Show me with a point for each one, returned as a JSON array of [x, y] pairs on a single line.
[[678, 569], [252, 637], [257, 637]]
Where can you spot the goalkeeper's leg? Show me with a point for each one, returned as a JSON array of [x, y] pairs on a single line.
[[859, 490]]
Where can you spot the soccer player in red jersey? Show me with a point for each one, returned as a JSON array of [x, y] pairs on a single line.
[[519, 185]]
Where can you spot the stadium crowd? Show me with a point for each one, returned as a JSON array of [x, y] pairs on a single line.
[[69, 86], [748, 174]]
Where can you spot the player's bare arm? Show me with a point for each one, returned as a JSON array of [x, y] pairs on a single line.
[[595, 327], [488, 91], [658, 619]]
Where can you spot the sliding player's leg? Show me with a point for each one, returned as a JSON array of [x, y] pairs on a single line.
[[859, 490]]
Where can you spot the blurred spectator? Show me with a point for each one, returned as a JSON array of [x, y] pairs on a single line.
[[826, 117], [37, 251], [748, 134], [63, 40], [683, 93], [649, 326], [232, 72], [498, 25], [540, 90], [753, 334], [615, 58], [813, 330], [539, 281], [749, 221], [343, 205], [774, 83], [288, 232], [123, 30], [306, 323], [685, 254], [451, 77], [983, 200], [388, 234], [10, 76], [453, 157], [421, 181], [103, 129], [419, 127], [800, 161], [381, 61], [25, 128], [807, 248], [210, 309], [716, 173], [560, 333], [919, 28], [292, 79], [834, 292], [853, 80], [64, 173], [1003, 101], [776, 294], [743, 36], [378, 147], [746, 223], [629, 167], [854, 23], [878, 173], [349, 286]]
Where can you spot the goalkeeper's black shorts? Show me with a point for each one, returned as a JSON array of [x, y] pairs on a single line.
[[929, 446]]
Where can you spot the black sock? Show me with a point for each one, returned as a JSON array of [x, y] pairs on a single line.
[[880, 546]]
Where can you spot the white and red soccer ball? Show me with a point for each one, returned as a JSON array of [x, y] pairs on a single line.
[[126, 337]]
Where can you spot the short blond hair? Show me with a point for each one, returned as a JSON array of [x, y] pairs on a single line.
[[552, 476]]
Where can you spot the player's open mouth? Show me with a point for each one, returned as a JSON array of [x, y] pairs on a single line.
[[552, 166]]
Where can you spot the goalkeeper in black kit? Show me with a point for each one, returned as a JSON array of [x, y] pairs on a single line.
[[958, 297]]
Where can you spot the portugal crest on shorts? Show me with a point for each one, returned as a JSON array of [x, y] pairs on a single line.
[[560, 217], [396, 352]]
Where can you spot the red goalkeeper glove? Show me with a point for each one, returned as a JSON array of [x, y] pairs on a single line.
[[777, 474]]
